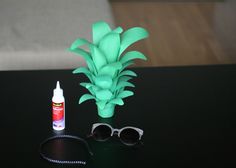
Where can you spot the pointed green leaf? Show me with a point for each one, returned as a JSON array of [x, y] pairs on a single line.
[[95, 89], [91, 91], [126, 64], [115, 81], [101, 104], [117, 101], [123, 84], [117, 30], [125, 93], [86, 56], [100, 29], [125, 78], [110, 46], [85, 97], [86, 85], [103, 94], [79, 42], [128, 73], [98, 57], [131, 36], [84, 71], [81, 70], [83, 84], [132, 55], [103, 81], [90, 87], [119, 79], [110, 69]]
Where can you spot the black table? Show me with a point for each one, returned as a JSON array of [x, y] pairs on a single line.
[[187, 114]]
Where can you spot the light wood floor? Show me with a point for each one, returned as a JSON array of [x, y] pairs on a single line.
[[182, 33]]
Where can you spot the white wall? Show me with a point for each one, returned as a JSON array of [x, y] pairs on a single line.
[[34, 34]]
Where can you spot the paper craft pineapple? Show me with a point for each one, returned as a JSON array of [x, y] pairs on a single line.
[[106, 65]]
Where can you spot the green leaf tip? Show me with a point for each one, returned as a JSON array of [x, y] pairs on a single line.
[[85, 97], [117, 101], [125, 93], [129, 56], [118, 30], [100, 29], [128, 73], [79, 42], [131, 36], [81, 70], [123, 84]]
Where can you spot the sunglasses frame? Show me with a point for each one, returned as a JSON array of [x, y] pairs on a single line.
[[117, 131]]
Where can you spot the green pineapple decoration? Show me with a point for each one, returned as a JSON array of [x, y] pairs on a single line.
[[106, 65]]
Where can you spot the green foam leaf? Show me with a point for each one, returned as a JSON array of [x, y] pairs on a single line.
[[79, 42], [115, 81], [87, 58], [103, 94], [103, 81], [125, 93], [81, 70], [125, 78], [131, 36], [119, 79], [95, 89], [110, 45], [92, 88], [84, 71], [128, 73], [132, 55], [86, 85], [117, 101], [101, 104], [126, 64], [86, 97], [100, 29], [99, 58], [110, 69], [117, 30], [123, 84]]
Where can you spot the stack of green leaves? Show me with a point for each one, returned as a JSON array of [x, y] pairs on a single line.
[[107, 63]]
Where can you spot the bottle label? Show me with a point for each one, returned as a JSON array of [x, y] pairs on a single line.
[[58, 115]]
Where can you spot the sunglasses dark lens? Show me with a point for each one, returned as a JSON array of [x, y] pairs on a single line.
[[101, 133], [129, 136]]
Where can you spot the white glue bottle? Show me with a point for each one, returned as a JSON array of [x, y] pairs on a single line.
[[58, 108]]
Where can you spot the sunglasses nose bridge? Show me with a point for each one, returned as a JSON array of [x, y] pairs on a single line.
[[115, 131]]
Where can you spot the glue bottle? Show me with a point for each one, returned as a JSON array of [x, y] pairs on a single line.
[[58, 108]]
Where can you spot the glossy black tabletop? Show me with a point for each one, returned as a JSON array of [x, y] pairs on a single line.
[[187, 114]]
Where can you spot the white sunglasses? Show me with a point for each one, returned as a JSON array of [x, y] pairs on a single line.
[[128, 135]]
